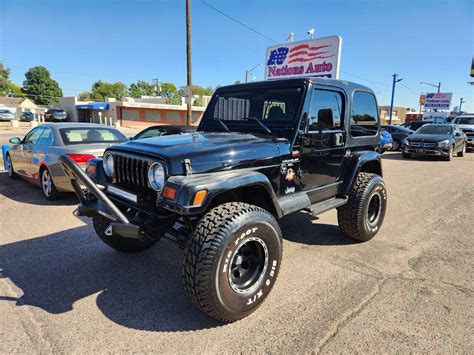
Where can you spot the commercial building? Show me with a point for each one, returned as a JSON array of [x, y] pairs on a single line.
[[398, 114], [130, 111], [19, 105]]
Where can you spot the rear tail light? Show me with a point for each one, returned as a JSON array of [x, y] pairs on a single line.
[[81, 158]]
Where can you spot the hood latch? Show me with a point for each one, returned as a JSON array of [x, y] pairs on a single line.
[[188, 169]]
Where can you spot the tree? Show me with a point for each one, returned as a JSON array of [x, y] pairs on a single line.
[[168, 90], [16, 90], [40, 87], [85, 96], [102, 90], [141, 88], [4, 80]]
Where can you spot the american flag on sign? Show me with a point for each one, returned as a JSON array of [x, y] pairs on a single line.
[[305, 53]]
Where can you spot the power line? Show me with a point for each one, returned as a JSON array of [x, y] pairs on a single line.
[[237, 21], [406, 87], [368, 80]]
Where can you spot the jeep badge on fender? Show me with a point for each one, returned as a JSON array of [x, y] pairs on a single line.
[[262, 150]]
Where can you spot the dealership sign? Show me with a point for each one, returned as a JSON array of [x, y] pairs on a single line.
[[438, 100], [319, 57]]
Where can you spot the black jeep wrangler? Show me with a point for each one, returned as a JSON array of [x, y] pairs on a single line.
[[261, 151]]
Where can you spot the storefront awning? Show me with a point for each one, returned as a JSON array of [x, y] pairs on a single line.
[[94, 106]]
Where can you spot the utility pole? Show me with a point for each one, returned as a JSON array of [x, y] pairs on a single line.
[[189, 115], [395, 80], [461, 101]]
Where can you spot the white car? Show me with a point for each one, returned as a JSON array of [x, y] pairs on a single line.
[[466, 123], [6, 115]]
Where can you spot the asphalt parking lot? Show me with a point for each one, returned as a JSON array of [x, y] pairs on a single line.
[[410, 289]]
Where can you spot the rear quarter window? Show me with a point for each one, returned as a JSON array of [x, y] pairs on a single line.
[[364, 115]]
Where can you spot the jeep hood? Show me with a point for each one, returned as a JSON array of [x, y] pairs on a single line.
[[210, 152]]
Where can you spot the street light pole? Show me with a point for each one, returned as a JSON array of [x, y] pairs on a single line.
[[395, 80], [249, 71], [461, 101], [188, 62], [433, 85]]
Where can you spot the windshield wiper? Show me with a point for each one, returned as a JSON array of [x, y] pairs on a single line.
[[222, 124], [261, 124]]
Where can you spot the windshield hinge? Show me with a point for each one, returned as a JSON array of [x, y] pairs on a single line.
[[188, 169]]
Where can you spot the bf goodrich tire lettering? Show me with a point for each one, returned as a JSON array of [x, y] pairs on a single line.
[[209, 255]]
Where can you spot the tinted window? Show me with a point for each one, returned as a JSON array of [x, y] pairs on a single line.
[[322, 103], [364, 115], [32, 136], [88, 135], [464, 120], [46, 138], [155, 132], [276, 108], [435, 129]]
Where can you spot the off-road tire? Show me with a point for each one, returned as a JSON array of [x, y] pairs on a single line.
[[463, 151], [208, 262], [53, 194], [355, 217], [406, 155], [11, 172], [124, 245]]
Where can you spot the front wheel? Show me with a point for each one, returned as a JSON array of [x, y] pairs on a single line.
[[362, 216], [232, 261], [463, 151], [124, 245], [11, 172], [450, 155], [406, 155]]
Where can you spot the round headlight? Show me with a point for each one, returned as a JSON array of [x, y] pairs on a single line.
[[109, 164], [156, 176]]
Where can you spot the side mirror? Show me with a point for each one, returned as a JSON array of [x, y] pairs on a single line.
[[15, 140]]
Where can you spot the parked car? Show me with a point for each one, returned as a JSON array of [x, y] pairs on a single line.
[[386, 141], [466, 123], [35, 157], [261, 151], [163, 130], [399, 134], [6, 115], [414, 125], [27, 116], [442, 140], [55, 115]]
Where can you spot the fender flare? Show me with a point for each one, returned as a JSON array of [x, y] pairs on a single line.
[[367, 160], [215, 184]]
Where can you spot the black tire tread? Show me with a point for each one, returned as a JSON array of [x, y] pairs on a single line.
[[202, 253], [349, 214]]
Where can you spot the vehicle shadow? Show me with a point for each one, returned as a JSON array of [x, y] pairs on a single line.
[[398, 156], [22, 191], [302, 228], [140, 291]]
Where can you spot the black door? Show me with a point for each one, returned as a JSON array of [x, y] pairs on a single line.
[[322, 145]]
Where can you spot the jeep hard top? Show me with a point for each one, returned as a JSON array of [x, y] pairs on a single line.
[[262, 151]]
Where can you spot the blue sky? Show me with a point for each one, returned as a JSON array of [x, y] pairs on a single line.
[[84, 41]]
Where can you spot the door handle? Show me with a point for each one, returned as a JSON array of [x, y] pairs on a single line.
[[339, 139]]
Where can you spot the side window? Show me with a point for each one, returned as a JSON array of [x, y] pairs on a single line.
[[326, 110], [46, 138], [364, 116], [32, 137]]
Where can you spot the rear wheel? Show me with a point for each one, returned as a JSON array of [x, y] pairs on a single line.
[[47, 185], [232, 260], [124, 245], [362, 216], [463, 151], [11, 172]]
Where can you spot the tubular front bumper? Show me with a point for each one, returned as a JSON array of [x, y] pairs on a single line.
[[98, 204]]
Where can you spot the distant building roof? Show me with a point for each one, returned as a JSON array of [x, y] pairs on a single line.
[[15, 101]]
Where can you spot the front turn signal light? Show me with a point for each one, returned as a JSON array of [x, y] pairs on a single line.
[[169, 192], [199, 197]]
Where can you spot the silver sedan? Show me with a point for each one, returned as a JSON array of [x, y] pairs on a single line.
[[35, 157]]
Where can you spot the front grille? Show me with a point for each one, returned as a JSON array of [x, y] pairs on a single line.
[[130, 173], [423, 144]]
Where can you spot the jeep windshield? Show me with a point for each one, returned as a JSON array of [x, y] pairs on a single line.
[[270, 111]]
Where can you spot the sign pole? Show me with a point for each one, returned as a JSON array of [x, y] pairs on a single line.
[[188, 62], [393, 95]]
